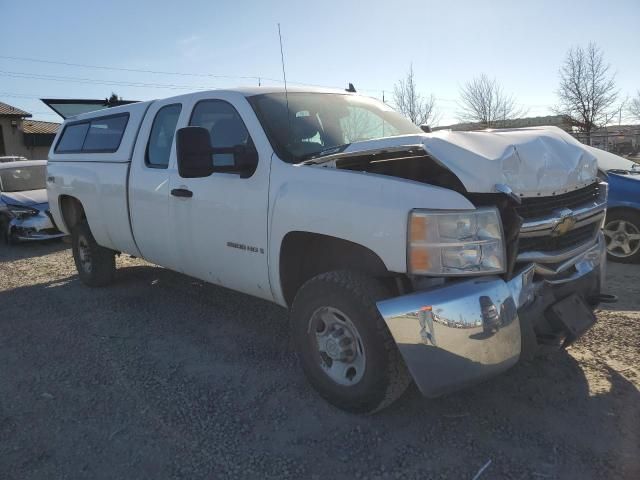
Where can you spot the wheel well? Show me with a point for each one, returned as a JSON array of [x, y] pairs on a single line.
[[72, 211], [304, 255], [623, 208]]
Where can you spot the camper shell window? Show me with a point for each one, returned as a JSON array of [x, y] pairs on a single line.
[[99, 135]]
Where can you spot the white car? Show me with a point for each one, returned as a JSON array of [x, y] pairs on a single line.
[[24, 209], [388, 245]]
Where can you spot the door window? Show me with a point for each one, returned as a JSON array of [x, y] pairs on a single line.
[[161, 137], [225, 126]]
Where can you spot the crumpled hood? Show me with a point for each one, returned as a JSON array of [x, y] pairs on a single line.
[[26, 198], [531, 161]]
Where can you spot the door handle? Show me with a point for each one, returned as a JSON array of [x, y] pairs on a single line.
[[182, 192]]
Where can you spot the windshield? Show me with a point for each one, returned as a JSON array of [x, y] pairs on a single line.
[[320, 122], [22, 179]]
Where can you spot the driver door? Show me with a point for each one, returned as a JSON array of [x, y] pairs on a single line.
[[220, 221]]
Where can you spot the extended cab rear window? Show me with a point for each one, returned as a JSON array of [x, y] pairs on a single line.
[[99, 135]]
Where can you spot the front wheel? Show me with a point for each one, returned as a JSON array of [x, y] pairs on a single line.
[[96, 265], [622, 235], [344, 345]]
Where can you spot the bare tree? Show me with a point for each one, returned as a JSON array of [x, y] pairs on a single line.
[[483, 100], [420, 110], [634, 107], [113, 100], [587, 93]]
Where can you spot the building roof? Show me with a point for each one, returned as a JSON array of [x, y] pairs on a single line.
[[620, 129], [37, 126], [10, 111]]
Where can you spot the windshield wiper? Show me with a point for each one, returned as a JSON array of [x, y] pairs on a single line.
[[311, 157]]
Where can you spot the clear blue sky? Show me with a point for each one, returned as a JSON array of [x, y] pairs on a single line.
[[370, 44]]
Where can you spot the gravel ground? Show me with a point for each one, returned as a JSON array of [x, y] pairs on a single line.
[[162, 376]]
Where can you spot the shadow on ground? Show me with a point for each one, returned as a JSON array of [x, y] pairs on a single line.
[[623, 280], [22, 250], [163, 376]]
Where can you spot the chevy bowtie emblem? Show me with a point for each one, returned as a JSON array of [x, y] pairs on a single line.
[[565, 223]]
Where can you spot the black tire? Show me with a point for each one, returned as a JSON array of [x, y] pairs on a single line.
[[632, 219], [96, 265], [385, 376]]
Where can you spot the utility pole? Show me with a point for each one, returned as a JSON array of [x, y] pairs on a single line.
[[620, 115]]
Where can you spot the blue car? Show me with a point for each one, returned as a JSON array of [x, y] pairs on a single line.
[[622, 225]]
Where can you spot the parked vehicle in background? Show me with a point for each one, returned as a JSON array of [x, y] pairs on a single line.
[[24, 208], [622, 225], [11, 158], [442, 257]]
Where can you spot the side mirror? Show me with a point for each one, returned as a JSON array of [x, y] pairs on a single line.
[[245, 159], [193, 149], [425, 128]]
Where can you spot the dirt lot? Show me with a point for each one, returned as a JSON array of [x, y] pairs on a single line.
[[161, 376]]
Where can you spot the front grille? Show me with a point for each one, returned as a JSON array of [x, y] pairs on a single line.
[[572, 238], [542, 207]]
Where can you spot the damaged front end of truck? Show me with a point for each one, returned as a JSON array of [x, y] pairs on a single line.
[[462, 327]]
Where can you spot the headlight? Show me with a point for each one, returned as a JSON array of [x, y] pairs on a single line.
[[455, 243], [22, 212]]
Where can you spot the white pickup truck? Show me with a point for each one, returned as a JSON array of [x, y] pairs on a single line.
[[441, 258]]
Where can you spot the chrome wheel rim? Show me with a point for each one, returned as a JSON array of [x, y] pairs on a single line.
[[622, 237], [84, 254], [339, 349]]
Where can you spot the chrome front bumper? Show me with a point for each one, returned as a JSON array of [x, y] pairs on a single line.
[[462, 333]]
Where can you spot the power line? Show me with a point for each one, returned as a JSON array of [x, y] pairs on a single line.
[[449, 111], [136, 70], [257, 78], [17, 95], [170, 86], [85, 80]]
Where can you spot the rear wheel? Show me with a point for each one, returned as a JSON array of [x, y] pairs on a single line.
[[622, 234], [96, 265], [344, 346]]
